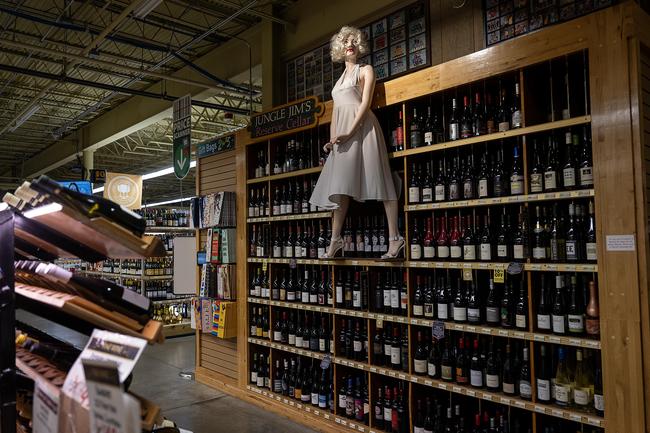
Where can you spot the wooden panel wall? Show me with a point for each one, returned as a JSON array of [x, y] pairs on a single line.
[[216, 173]]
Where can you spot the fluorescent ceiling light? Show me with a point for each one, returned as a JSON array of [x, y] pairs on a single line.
[[145, 8], [24, 118], [163, 172], [43, 210], [178, 200]]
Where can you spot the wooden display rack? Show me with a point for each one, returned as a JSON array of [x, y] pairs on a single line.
[[616, 41]]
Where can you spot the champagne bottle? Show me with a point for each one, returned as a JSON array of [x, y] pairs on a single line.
[[592, 322], [563, 388]]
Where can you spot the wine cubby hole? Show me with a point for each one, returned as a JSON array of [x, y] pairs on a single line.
[[351, 338], [395, 351], [379, 382], [549, 424], [468, 408], [293, 194], [287, 151], [258, 364], [545, 289], [390, 118], [552, 94], [348, 381]]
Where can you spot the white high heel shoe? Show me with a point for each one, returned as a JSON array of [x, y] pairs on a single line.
[[400, 249]]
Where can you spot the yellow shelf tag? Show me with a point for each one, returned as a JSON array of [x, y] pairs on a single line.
[[499, 276]]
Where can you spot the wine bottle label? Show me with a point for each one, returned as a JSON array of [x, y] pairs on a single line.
[[418, 310], [253, 330], [305, 398], [420, 366], [576, 323], [454, 194], [428, 310], [321, 345], [342, 401], [367, 245], [414, 194], [543, 389], [508, 388], [456, 252], [387, 298], [518, 252], [454, 131], [418, 429], [431, 369], [429, 252], [277, 386], [260, 381], [591, 251], [314, 398], [516, 119], [468, 190], [473, 315], [305, 207], [416, 252], [504, 126], [558, 324], [291, 296], [276, 209], [366, 408], [288, 251], [277, 251], [476, 378], [443, 251], [395, 355], [469, 252], [492, 381], [460, 314], [544, 321], [502, 251], [569, 177], [388, 411], [259, 252], [292, 339], [339, 294], [427, 194], [492, 314], [375, 243], [539, 253], [599, 402], [253, 376], [586, 176], [482, 188], [516, 184], [299, 341], [550, 180], [520, 321], [486, 251], [304, 297], [357, 346], [277, 335], [440, 193], [592, 326], [313, 298], [536, 183], [356, 299], [525, 389], [387, 348], [581, 396], [321, 252], [571, 250], [394, 299], [428, 138], [562, 393], [443, 311], [446, 372]]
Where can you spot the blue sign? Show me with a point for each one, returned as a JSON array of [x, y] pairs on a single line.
[[215, 145], [83, 186]]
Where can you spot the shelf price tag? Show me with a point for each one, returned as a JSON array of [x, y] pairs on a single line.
[[265, 266], [499, 276], [438, 329], [467, 274], [292, 263]]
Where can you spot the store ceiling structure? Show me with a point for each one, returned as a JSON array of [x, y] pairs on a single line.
[[64, 63]]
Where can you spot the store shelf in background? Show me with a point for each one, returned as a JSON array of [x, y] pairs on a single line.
[[327, 415], [496, 136], [293, 217], [177, 329], [511, 333], [548, 267], [168, 229], [286, 175], [134, 277], [457, 389], [523, 198], [172, 301]]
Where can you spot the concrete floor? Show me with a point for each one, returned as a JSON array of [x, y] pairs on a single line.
[[191, 405]]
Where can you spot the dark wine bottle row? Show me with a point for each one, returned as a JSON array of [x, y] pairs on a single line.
[[561, 232], [166, 217]]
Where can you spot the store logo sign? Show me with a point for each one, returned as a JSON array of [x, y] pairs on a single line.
[[295, 116], [124, 189]]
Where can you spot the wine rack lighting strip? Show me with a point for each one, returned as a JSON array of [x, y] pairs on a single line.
[[502, 200], [547, 267], [452, 326], [300, 216], [307, 408], [495, 136], [457, 389]]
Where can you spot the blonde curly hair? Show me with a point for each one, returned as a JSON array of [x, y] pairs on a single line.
[[337, 43]]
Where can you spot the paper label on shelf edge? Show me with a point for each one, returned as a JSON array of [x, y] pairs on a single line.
[[105, 346], [45, 412], [620, 242]]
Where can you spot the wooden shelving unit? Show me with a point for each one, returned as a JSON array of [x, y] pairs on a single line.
[[613, 117]]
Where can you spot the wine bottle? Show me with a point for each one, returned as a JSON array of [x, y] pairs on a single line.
[[559, 307], [440, 188], [592, 321], [521, 307], [525, 388], [539, 237], [462, 364], [563, 391], [503, 114], [429, 248], [551, 169], [454, 123], [466, 121], [473, 304], [543, 379], [416, 244], [454, 182], [485, 245], [586, 165], [599, 401], [484, 179], [536, 172], [515, 109], [469, 242], [479, 126], [442, 240], [575, 310], [569, 167], [492, 375], [455, 243], [508, 374], [418, 298], [516, 174], [420, 356], [416, 131], [492, 307], [460, 304], [476, 368], [414, 186], [428, 128]]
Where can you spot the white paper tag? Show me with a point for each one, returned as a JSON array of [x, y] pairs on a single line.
[[620, 243], [103, 346], [45, 414]]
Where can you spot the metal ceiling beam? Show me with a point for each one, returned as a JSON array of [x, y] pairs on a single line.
[[117, 89], [201, 6], [112, 65]]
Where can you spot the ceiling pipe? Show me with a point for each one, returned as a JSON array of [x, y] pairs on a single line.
[[81, 59], [116, 89]]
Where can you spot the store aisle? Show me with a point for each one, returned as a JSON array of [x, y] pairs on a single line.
[[191, 405]]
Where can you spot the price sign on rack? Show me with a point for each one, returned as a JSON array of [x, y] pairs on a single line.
[[499, 276]]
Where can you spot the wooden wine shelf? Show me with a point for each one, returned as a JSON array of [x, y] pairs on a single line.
[[168, 229], [134, 277], [446, 386], [547, 267], [523, 198], [496, 136], [452, 326], [177, 329], [294, 173], [292, 217], [325, 414]]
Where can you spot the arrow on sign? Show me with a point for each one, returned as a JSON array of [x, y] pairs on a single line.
[[181, 162]]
